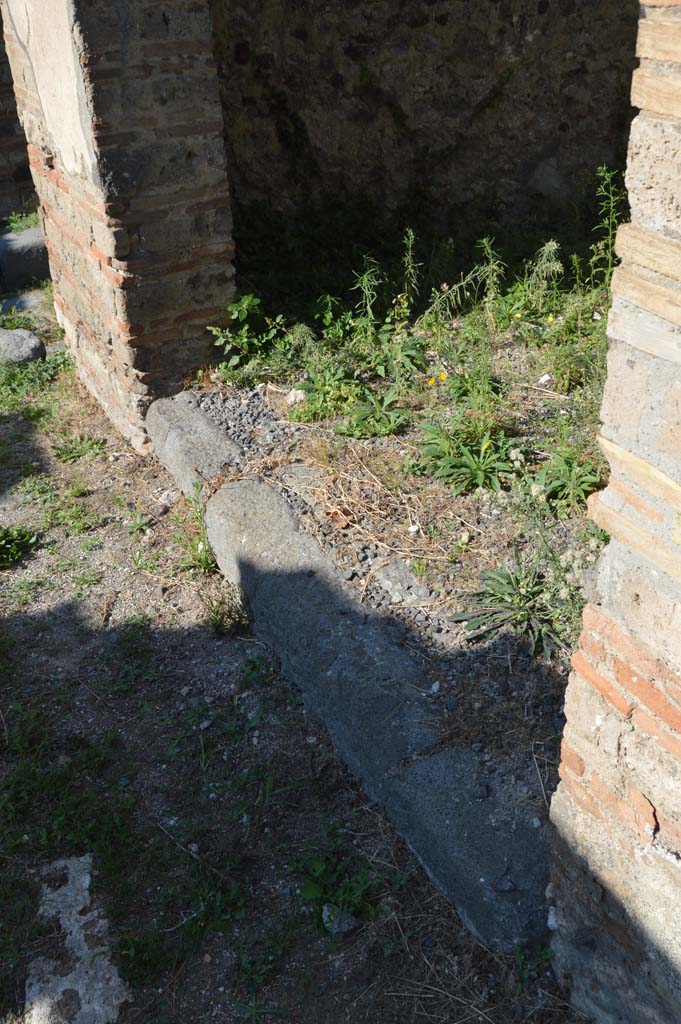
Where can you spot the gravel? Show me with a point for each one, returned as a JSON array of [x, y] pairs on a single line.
[[248, 419]]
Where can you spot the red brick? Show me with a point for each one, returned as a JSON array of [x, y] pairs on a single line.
[[643, 809], [649, 694], [571, 758], [636, 817], [649, 725], [669, 835], [629, 650], [606, 689], [593, 646], [578, 794]]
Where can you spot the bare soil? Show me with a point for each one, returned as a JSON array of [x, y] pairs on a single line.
[[224, 821]]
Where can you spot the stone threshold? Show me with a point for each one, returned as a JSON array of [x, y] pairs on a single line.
[[366, 688]]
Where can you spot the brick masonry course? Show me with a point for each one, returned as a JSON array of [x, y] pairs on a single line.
[[133, 188], [617, 859]]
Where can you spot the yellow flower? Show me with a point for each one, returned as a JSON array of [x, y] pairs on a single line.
[[431, 381], [550, 319], [486, 446], [518, 316], [443, 376]]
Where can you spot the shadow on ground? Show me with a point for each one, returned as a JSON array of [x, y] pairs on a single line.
[[19, 453], [221, 822]]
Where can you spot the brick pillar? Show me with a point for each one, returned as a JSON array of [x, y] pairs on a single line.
[[16, 187], [617, 811], [119, 102]]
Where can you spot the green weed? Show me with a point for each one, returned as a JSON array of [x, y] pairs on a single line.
[[192, 537], [87, 579], [226, 611], [20, 382], [139, 522], [130, 658], [15, 543], [329, 390], [567, 481], [21, 221], [70, 514], [513, 598], [262, 956], [338, 877], [377, 416], [255, 672], [528, 962], [465, 466], [612, 204], [146, 561], [74, 448], [13, 319]]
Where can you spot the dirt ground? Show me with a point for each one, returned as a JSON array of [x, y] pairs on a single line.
[[224, 830]]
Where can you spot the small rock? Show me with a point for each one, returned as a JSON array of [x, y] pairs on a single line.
[[20, 346], [169, 497], [338, 922], [296, 396]]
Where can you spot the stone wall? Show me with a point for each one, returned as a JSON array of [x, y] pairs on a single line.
[[16, 186], [433, 105], [617, 880], [120, 107]]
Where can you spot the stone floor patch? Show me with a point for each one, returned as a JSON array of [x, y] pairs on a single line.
[[82, 986]]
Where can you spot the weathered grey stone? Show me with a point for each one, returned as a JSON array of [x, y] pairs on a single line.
[[191, 447], [369, 692], [23, 258], [20, 346], [401, 584], [338, 922], [645, 600], [89, 989]]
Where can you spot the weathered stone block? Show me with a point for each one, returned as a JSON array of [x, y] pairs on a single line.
[[659, 40], [653, 173], [657, 91], [20, 346], [631, 375], [640, 329]]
